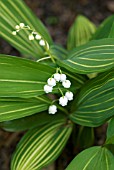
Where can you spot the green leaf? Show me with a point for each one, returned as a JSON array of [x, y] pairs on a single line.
[[95, 56], [22, 78], [40, 146], [105, 29], [111, 35], [32, 121], [83, 142], [95, 102], [14, 108], [58, 51], [14, 12], [80, 32], [96, 158], [110, 132]]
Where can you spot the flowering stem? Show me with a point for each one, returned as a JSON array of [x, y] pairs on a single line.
[[60, 91], [54, 101], [52, 58], [48, 101], [22, 26], [60, 70]]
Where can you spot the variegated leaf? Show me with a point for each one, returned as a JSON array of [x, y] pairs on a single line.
[[21, 77], [14, 108], [40, 146], [28, 122], [96, 158], [95, 102], [96, 56], [80, 32]]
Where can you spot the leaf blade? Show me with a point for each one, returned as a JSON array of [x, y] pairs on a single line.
[[93, 158], [22, 77], [104, 30], [96, 56], [46, 146], [32, 121], [95, 102], [80, 32], [15, 108]]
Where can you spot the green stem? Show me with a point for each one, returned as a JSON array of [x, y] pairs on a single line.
[[49, 102], [44, 58], [60, 91], [54, 101], [52, 58]]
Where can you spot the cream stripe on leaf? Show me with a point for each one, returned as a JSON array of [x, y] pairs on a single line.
[[94, 104], [17, 12], [39, 147], [96, 158], [95, 56], [22, 77]]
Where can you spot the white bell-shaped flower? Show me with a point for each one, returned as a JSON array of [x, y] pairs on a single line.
[[14, 32], [48, 88], [31, 37], [42, 42], [69, 95], [38, 37], [52, 109], [63, 101], [66, 84], [17, 27], [51, 82], [63, 77], [57, 77], [22, 25]]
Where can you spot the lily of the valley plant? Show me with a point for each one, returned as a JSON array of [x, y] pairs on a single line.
[[54, 93]]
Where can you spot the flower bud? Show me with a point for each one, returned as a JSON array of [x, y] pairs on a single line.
[[57, 77], [63, 101], [52, 109], [48, 88], [51, 82], [69, 95], [63, 77], [66, 84]]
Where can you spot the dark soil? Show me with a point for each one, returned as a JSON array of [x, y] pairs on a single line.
[[57, 16]]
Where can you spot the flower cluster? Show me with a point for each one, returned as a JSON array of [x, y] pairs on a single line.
[[33, 34], [51, 82]]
